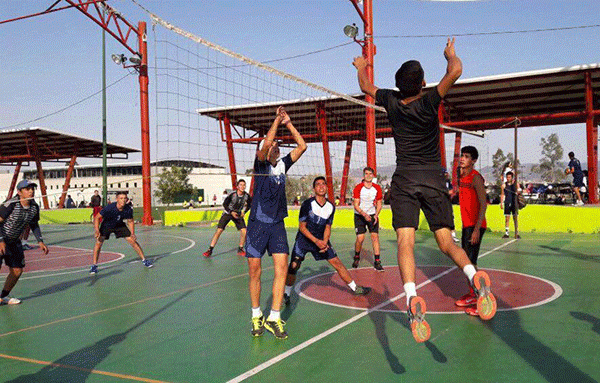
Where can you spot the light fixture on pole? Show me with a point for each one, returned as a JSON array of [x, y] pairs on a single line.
[[118, 59], [352, 31]]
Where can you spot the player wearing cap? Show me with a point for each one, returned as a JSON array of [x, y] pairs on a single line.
[[16, 214]]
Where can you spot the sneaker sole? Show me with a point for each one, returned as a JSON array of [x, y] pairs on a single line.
[[419, 327], [465, 304], [272, 331], [486, 302]]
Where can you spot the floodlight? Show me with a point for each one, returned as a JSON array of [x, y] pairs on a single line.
[[351, 30], [135, 59], [118, 59]]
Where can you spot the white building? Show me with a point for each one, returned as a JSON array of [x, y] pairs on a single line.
[[211, 180]]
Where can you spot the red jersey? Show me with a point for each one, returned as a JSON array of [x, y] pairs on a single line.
[[469, 203]]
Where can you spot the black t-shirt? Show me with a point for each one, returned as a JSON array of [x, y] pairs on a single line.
[[113, 217], [415, 127]]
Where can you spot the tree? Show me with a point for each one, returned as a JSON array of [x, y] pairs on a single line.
[[499, 160], [173, 184], [552, 152]]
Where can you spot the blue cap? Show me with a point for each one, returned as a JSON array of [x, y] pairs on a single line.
[[25, 184]]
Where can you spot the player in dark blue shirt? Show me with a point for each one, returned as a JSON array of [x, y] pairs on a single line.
[[314, 231], [266, 230], [113, 217], [575, 169]]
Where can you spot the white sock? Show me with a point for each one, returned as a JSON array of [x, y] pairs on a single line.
[[273, 316], [507, 230], [288, 290], [352, 285], [411, 291], [256, 312], [469, 271]]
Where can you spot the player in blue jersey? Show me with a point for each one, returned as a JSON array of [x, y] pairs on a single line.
[[314, 231], [113, 218], [266, 230]]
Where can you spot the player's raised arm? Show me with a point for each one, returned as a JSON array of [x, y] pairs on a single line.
[[261, 154], [297, 152], [366, 86], [453, 70]]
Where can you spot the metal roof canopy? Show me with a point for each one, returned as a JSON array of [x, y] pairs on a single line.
[[17, 145], [538, 98]]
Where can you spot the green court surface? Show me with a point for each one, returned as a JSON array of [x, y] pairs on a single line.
[[188, 318]]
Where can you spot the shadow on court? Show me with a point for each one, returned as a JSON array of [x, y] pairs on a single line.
[[77, 366], [573, 254], [90, 280], [552, 366], [379, 319], [587, 318]]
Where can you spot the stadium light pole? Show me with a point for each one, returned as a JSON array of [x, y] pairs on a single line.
[[104, 151], [368, 51]]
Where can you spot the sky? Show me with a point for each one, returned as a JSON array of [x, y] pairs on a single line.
[[53, 61]]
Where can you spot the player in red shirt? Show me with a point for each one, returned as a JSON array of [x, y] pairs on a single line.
[[367, 205], [473, 204]]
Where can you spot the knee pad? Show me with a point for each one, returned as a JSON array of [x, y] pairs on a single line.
[[294, 265]]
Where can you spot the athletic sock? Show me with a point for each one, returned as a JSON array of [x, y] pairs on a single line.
[[377, 257], [288, 290], [4, 293], [240, 248], [507, 230], [256, 312], [274, 316], [352, 285], [211, 248], [356, 255], [411, 291], [469, 271]]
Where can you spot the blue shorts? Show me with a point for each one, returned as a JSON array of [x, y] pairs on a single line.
[[301, 248], [261, 237]]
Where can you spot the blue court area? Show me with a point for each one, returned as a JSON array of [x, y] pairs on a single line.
[[188, 318]]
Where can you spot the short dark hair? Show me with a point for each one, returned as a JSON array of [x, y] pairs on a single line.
[[409, 78], [317, 179], [510, 174], [369, 169], [470, 150], [240, 180], [125, 192], [571, 154]]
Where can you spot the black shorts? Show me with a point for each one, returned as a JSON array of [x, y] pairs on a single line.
[[510, 208], [361, 224], [301, 248], [226, 217], [121, 231], [13, 255], [415, 190], [472, 250], [578, 181]]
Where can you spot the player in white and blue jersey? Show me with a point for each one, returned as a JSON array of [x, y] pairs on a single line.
[[266, 230], [314, 232]]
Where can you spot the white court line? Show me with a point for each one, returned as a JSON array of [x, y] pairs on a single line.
[[322, 335], [80, 270]]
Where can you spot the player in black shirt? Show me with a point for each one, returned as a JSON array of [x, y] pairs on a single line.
[[117, 218], [235, 205], [418, 182]]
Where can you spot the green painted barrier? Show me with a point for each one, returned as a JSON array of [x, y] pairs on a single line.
[[65, 216], [533, 218]]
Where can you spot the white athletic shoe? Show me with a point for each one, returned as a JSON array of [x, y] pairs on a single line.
[[10, 301]]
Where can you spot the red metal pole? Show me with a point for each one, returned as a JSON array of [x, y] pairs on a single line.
[[38, 164], [228, 140], [15, 178], [63, 196], [592, 140], [145, 121], [322, 124], [457, 141], [442, 136], [345, 173], [369, 53]]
